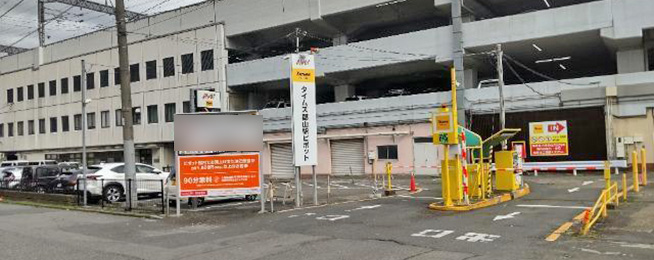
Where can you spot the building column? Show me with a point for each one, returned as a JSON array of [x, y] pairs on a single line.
[[470, 78], [340, 39], [342, 92], [222, 59], [630, 61]]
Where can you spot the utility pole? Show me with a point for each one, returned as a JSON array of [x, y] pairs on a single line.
[[458, 53], [500, 82], [126, 100], [83, 83], [41, 19]]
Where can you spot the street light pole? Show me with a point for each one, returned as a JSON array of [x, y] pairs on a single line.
[[84, 167]]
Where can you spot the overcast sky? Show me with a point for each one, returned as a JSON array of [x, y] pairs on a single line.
[[23, 19]]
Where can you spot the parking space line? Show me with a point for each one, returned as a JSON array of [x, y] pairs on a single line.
[[550, 206], [557, 233]]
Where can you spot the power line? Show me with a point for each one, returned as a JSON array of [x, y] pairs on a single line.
[[34, 31], [546, 76], [12, 8]]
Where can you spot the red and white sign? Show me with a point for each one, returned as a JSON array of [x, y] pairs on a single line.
[[548, 138], [219, 175]]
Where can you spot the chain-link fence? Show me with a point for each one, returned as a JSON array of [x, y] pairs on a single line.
[[114, 194]]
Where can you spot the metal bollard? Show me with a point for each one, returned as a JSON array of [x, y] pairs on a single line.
[[607, 177], [634, 168]]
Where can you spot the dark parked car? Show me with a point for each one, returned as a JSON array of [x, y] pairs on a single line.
[[50, 178]]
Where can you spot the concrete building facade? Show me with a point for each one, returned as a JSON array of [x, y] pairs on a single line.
[[391, 57]]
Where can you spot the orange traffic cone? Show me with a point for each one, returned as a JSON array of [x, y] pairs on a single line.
[[413, 183]]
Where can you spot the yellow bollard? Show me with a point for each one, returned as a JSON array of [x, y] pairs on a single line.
[[643, 166], [607, 177], [389, 168], [445, 176], [624, 186], [634, 169]]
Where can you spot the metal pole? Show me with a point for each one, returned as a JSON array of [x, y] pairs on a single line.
[[458, 54], [262, 196], [126, 100], [84, 167], [298, 187], [315, 185], [178, 201], [297, 40], [500, 82]]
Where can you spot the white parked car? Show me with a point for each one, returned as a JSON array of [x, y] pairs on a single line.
[[172, 189], [108, 181]]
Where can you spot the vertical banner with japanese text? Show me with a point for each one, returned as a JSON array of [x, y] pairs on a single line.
[[303, 103]]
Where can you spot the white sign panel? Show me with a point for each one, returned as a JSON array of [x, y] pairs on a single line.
[[303, 103], [208, 99]]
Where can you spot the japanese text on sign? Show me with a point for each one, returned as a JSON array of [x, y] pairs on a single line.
[[548, 138], [219, 175], [303, 92]]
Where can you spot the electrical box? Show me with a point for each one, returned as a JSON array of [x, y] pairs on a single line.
[[619, 147], [628, 140]]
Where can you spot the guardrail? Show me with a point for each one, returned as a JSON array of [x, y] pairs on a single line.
[[573, 166], [611, 196]]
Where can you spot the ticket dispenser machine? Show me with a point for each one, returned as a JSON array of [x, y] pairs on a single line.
[[506, 178]]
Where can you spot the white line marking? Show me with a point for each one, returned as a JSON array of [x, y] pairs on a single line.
[[575, 189], [586, 183], [478, 237], [508, 216], [433, 233], [332, 217], [642, 246], [551, 206], [416, 197]]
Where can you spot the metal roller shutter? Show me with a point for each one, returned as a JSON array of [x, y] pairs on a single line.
[[348, 155], [282, 161]]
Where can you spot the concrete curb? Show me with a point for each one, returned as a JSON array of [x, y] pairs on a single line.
[[61, 207], [485, 203]]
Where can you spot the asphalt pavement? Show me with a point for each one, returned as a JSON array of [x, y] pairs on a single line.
[[365, 227]]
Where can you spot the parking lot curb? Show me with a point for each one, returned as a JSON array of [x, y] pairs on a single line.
[[484, 203], [61, 207]]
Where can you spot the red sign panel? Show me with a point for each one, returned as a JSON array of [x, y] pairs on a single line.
[[219, 175], [549, 149]]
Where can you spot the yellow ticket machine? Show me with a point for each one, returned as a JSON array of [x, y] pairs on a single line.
[[505, 164]]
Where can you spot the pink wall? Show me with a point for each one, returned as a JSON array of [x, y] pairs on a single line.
[[403, 141]]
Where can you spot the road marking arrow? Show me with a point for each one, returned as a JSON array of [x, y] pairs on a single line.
[[586, 183], [511, 215], [575, 189]]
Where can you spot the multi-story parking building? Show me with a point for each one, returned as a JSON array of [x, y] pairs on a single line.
[[382, 66]]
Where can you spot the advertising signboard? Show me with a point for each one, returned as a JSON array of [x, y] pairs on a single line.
[[303, 103], [207, 99], [548, 138], [219, 175]]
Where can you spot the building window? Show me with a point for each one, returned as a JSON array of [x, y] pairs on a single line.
[[153, 114], [207, 60], [169, 67], [136, 115], [2, 130], [77, 83], [53, 125], [20, 126], [10, 129], [169, 111], [90, 120], [41, 89], [42, 126], [186, 107], [30, 92], [64, 86], [10, 95], [53, 87], [388, 152], [77, 122], [30, 127], [119, 117], [90, 81], [104, 78], [19, 94], [187, 63], [134, 75], [65, 125], [151, 69], [104, 119], [117, 76]]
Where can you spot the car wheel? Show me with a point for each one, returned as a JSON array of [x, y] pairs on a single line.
[[112, 193], [200, 202], [40, 189], [251, 197]]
